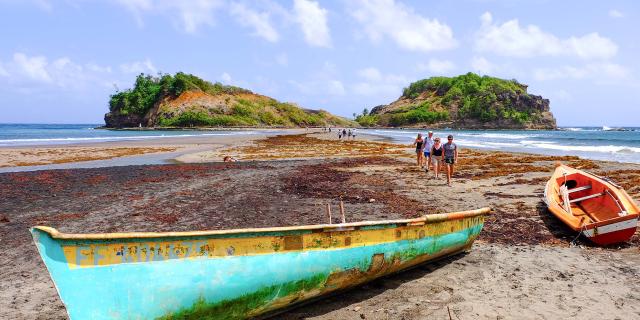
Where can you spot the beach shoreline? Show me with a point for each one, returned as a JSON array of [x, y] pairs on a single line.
[[125, 152], [525, 264]]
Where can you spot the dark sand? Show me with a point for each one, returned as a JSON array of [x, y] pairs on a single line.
[[525, 264]]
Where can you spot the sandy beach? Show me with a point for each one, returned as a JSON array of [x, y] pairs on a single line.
[[162, 150], [525, 264]]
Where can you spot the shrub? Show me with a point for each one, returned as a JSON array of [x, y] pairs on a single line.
[[367, 120], [148, 90]]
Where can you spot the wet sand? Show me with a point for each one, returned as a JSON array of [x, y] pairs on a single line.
[[525, 264], [97, 154]]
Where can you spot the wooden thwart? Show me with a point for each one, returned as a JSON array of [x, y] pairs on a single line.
[[587, 187], [595, 195]]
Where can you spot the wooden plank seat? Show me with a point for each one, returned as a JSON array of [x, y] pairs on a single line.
[[578, 189], [591, 196]]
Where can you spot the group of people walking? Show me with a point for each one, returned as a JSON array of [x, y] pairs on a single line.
[[346, 134], [431, 152]]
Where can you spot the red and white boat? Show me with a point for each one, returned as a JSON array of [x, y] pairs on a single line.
[[595, 206]]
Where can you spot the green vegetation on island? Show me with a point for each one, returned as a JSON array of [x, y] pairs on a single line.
[[148, 89], [184, 100], [465, 101]]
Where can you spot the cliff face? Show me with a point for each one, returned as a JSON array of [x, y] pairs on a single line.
[[464, 102], [187, 101]]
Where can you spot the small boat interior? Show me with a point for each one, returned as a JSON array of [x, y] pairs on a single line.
[[586, 199]]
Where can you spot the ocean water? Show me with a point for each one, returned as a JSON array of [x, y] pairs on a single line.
[[598, 143], [56, 134]]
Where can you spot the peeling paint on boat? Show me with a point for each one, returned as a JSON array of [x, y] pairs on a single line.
[[240, 274]]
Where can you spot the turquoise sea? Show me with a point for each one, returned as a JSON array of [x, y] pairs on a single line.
[[598, 143], [56, 134], [601, 143]]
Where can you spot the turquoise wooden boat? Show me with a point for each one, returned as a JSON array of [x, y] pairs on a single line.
[[236, 274]]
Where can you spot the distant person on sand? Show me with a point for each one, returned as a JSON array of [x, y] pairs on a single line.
[[344, 133], [419, 144], [436, 156], [353, 134], [428, 144], [339, 134], [450, 157]]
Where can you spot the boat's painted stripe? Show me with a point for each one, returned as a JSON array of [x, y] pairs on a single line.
[[239, 233], [627, 224], [101, 253], [169, 287]]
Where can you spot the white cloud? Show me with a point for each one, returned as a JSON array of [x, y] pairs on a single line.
[[188, 15], [258, 20], [595, 71], [313, 21], [98, 68], [325, 81], [481, 65], [511, 39], [336, 88], [375, 83], [34, 68], [333, 87], [226, 78], [3, 71], [145, 66], [370, 74], [388, 19], [437, 66], [25, 71], [613, 13]]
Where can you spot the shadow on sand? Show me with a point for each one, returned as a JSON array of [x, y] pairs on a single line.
[[343, 299], [561, 231]]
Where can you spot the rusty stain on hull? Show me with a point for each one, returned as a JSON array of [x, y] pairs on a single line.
[[236, 274]]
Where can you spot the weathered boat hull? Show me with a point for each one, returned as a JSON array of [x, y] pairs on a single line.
[[238, 273]]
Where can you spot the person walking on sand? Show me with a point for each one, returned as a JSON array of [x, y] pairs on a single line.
[[436, 156], [428, 144], [419, 144], [450, 157]]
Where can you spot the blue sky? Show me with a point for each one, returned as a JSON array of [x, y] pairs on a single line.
[[60, 60]]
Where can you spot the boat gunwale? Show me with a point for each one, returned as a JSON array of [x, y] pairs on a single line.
[[562, 215], [430, 218]]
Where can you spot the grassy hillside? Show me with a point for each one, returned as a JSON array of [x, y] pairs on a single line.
[[184, 100], [467, 99]]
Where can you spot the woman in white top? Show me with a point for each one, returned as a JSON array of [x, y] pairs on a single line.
[[428, 144]]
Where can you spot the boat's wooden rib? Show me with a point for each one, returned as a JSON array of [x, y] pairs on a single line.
[[595, 206], [238, 273]]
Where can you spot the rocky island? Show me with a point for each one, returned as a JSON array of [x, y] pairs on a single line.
[[184, 100], [467, 101]]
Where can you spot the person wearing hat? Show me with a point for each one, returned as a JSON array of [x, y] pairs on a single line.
[[450, 156], [428, 144]]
